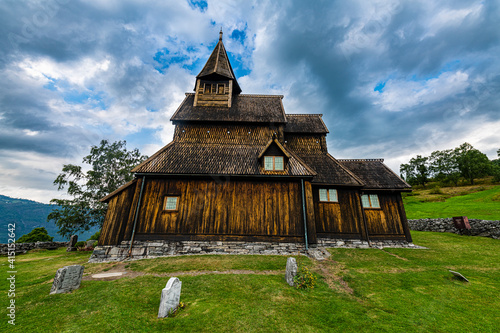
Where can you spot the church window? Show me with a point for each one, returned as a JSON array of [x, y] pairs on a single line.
[[171, 203], [328, 195], [370, 201], [273, 163]]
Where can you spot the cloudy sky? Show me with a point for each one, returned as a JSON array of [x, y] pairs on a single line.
[[392, 78]]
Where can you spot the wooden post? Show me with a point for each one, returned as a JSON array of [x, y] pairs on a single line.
[[311, 221]]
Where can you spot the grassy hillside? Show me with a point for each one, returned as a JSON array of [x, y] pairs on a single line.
[[28, 215], [479, 202], [359, 290]]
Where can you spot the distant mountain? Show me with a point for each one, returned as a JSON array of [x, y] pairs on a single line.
[[27, 215]]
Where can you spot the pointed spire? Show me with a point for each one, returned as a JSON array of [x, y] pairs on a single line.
[[218, 65]]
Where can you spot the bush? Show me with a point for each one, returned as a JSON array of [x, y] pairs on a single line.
[[80, 244], [95, 236], [436, 190], [304, 279], [36, 235]]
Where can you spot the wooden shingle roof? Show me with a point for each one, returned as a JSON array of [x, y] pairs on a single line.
[[305, 123], [215, 159], [329, 170], [244, 108], [375, 174]]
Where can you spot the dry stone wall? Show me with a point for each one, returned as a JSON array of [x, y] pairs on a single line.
[[25, 247], [484, 228]]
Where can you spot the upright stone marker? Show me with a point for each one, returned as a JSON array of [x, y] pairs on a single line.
[[67, 279], [72, 243], [291, 271], [170, 297]]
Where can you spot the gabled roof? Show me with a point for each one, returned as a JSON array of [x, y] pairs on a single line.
[[283, 150], [305, 123], [244, 108], [218, 64], [215, 159], [375, 174], [329, 170]]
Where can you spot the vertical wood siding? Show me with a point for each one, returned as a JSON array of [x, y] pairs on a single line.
[[386, 222], [117, 221], [343, 218], [230, 208]]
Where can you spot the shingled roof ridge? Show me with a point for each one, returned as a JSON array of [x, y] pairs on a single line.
[[395, 174], [360, 160], [304, 114]]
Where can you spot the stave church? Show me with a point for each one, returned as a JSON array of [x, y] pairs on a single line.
[[240, 169]]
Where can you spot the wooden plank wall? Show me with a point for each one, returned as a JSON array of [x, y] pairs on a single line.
[[118, 216], [387, 221], [235, 208], [342, 219]]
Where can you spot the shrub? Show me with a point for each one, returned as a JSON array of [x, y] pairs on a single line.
[[304, 279], [436, 190], [95, 236], [36, 235], [80, 244]]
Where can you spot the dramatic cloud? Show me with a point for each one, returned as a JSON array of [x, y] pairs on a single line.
[[392, 78]]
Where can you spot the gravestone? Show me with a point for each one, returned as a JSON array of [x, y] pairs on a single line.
[[90, 243], [67, 279], [458, 275], [170, 297], [291, 271], [72, 243]]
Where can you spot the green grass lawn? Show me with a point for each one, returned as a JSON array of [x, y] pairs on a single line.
[[484, 205], [367, 290]]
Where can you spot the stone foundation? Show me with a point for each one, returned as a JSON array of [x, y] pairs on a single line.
[[484, 228], [163, 248]]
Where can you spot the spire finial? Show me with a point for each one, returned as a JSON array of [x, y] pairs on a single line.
[[220, 34]]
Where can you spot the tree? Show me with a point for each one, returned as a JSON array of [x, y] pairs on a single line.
[[110, 166], [36, 235], [471, 162], [416, 171], [444, 166]]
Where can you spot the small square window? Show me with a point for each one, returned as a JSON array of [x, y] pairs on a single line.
[[171, 203], [370, 201], [274, 163], [329, 195]]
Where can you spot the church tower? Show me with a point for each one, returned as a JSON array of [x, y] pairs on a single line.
[[216, 84]]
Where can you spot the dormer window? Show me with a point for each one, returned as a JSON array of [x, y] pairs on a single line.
[[273, 163], [220, 89]]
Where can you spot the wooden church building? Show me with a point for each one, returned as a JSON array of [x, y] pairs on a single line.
[[240, 169]]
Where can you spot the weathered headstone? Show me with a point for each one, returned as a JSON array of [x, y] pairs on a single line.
[[72, 243], [170, 297], [67, 279], [291, 271], [458, 275]]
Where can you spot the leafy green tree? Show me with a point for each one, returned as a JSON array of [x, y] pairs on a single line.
[[471, 162], [36, 235], [416, 172], [444, 166], [110, 165]]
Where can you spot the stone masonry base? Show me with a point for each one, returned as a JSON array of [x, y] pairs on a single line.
[[162, 248]]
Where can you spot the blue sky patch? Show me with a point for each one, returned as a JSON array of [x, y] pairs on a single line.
[[380, 86], [198, 4]]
